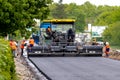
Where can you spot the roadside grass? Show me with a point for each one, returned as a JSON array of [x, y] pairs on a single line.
[[115, 47]]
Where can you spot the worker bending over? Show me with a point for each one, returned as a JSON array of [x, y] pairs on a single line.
[[106, 49]]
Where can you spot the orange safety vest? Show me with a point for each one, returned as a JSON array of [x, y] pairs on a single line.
[[13, 45], [10, 43], [22, 45], [107, 49], [49, 29], [31, 41]]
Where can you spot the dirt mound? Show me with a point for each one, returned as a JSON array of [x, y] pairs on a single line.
[[114, 54]]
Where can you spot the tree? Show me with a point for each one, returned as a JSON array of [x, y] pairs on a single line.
[[80, 22], [106, 15], [72, 11], [60, 1], [59, 10], [102, 19], [112, 33], [19, 14], [90, 12]]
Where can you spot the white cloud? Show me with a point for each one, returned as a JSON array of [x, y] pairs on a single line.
[[96, 2]]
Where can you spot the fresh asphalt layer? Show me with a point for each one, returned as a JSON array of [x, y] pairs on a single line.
[[78, 68]]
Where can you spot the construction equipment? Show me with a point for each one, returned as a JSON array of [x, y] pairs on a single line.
[[61, 40]]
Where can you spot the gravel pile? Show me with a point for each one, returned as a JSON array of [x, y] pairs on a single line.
[[114, 54]]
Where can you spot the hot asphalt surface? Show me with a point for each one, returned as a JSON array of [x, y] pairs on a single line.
[[78, 68]]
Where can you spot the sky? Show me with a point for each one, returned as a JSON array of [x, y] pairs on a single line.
[[95, 2]]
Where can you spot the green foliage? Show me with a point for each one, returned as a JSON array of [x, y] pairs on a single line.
[[102, 18], [58, 11], [68, 11], [107, 15], [90, 12], [72, 11], [80, 23], [111, 18], [112, 33], [115, 15], [7, 67], [95, 15], [115, 47], [19, 14]]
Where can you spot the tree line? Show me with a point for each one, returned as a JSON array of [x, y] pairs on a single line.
[[86, 13], [17, 15]]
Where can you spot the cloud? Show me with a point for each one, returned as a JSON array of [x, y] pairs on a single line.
[[96, 2]]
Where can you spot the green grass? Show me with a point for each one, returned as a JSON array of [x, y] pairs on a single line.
[[115, 47]]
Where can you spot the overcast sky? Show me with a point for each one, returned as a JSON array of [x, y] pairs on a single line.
[[96, 2]]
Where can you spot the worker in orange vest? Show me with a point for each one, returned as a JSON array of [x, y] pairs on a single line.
[[22, 47], [49, 31], [31, 42], [13, 47], [107, 49]]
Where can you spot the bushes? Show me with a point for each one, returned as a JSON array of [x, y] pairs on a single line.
[[7, 67], [112, 34]]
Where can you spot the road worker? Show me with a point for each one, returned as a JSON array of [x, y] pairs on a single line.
[[13, 47], [94, 41], [22, 47], [106, 49], [31, 44], [49, 29], [49, 32], [71, 35]]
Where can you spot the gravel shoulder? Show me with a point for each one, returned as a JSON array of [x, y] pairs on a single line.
[[115, 54], [23, 70]]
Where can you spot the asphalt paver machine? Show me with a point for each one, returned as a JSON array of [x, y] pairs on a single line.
[[61, 40]]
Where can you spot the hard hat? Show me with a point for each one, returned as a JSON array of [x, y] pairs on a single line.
[[107, 43]]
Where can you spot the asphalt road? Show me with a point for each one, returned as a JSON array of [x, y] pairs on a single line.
[[79, 68]]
